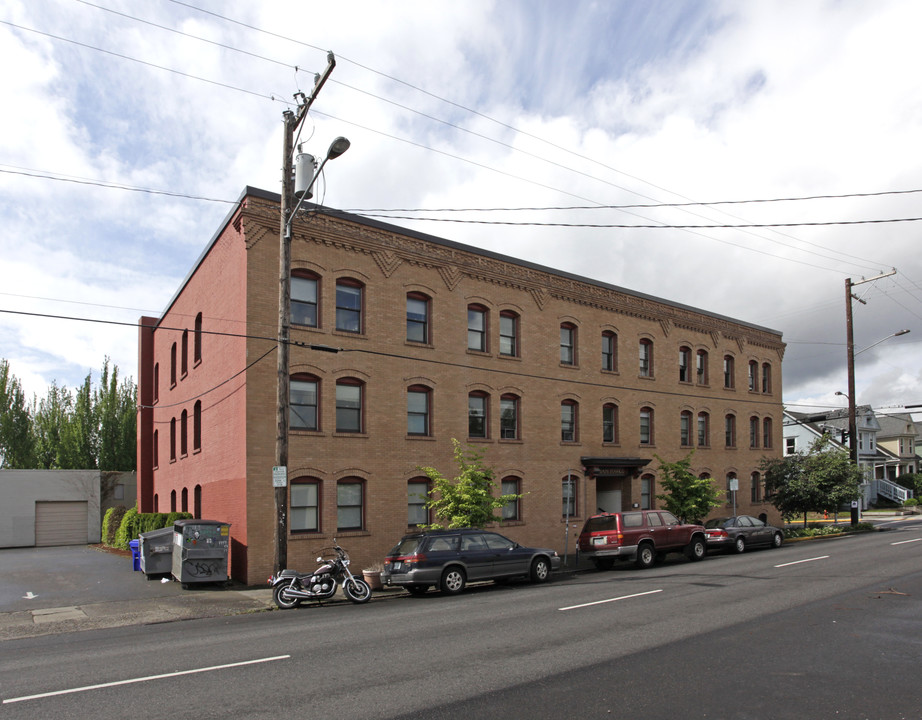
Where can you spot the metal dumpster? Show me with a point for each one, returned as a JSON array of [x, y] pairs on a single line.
[[156, 549], [200, 549]]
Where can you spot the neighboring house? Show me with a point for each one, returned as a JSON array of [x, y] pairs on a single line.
[[59, 507], [898, 436], [876, 461], [569, 386]]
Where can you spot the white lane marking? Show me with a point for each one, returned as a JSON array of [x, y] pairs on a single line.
[[616, 599], [29, 596], [144, 679], [903, 542], [798, 562]]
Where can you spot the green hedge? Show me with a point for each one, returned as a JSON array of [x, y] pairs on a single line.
[[134, 523]]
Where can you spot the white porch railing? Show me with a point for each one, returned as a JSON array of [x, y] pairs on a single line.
[[891, 491]]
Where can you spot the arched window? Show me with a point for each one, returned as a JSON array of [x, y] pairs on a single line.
[[647, 486], [350, 504], [704, 429], [508, 334], [729, 372], [197, 340], [183, 433], [509, 416], [304, 402], [417, 497], [305, 298], [570, 493], [418, 318], [185, 500], [753, 376], [767, 433], [304, 503], [701, 367], [645, 349], [685, 428], [569, 421], [684, 364], [349, 405], [172, 439], [646, 426], [197, 426], [173, 365], [609, 351], [766, 378], [568, 344], [184, 370], [156, 382], [755, 482], [478, 420], [418, 410], [172, 501], [753, 432], [477, 326], [730, 431], [156, 449], [511, 485], [731, 476], [197, 501], [349, 305], [609, 423]]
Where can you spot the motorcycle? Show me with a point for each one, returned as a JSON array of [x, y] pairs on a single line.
[[291, 588]]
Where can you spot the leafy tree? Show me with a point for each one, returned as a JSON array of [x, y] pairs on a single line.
[[79, 434], [823, 478], [17, 444], [49, 417], [468, 500], [687, 496], [116, 413]]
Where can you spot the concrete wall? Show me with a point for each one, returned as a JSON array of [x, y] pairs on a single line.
[[21, 489]]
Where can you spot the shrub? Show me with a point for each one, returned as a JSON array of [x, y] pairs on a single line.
[[910, 502], [110, 524], [134, 523]]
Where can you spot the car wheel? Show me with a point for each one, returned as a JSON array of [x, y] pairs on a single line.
[[777, 540], [453, 580], [646, 556], [540, 570], [417, 590], [696, 549], [739, 545]]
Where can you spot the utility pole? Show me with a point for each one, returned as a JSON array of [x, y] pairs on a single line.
[[292, 120], [850, 346]]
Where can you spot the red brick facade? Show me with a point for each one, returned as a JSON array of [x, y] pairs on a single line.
[[549, 400]]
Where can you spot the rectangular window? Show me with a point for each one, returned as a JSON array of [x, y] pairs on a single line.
[[730, 431], [476, 330], [417, 497], [417, 320], [348, 308], [646, 492], [703, 440], [303, 301], [684, 428], [417, 413], [508, 335], [684, 361], [476, 416], [790, 446], [509, 418], [305, 507], [303, 405], [728, 372], [646, 427], [348, 408], [646, 358], [349, 506]]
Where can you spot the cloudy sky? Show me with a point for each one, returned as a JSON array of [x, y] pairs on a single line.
[[129, 128]]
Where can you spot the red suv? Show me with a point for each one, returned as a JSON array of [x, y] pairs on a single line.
[[643, 536]]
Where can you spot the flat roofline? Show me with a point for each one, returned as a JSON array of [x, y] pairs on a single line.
[[254, 192]]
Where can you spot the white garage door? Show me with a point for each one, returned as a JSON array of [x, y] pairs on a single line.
[[60, 523]]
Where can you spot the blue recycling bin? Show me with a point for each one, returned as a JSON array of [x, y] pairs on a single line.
[[135, 546]]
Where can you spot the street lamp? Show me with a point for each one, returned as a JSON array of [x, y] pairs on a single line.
[[337, 148]]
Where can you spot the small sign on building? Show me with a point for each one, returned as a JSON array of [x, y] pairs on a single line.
[[279, 476]]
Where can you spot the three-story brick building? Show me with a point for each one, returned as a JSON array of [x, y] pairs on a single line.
[[569, 386]]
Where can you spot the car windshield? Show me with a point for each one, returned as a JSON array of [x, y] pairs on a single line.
[[600, 523], [407, 546], [715, 522]]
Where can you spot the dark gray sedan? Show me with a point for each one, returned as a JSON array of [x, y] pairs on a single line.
[[738, 533], [449, 559]]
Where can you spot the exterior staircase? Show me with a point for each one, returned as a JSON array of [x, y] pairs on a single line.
[[890, 491]]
